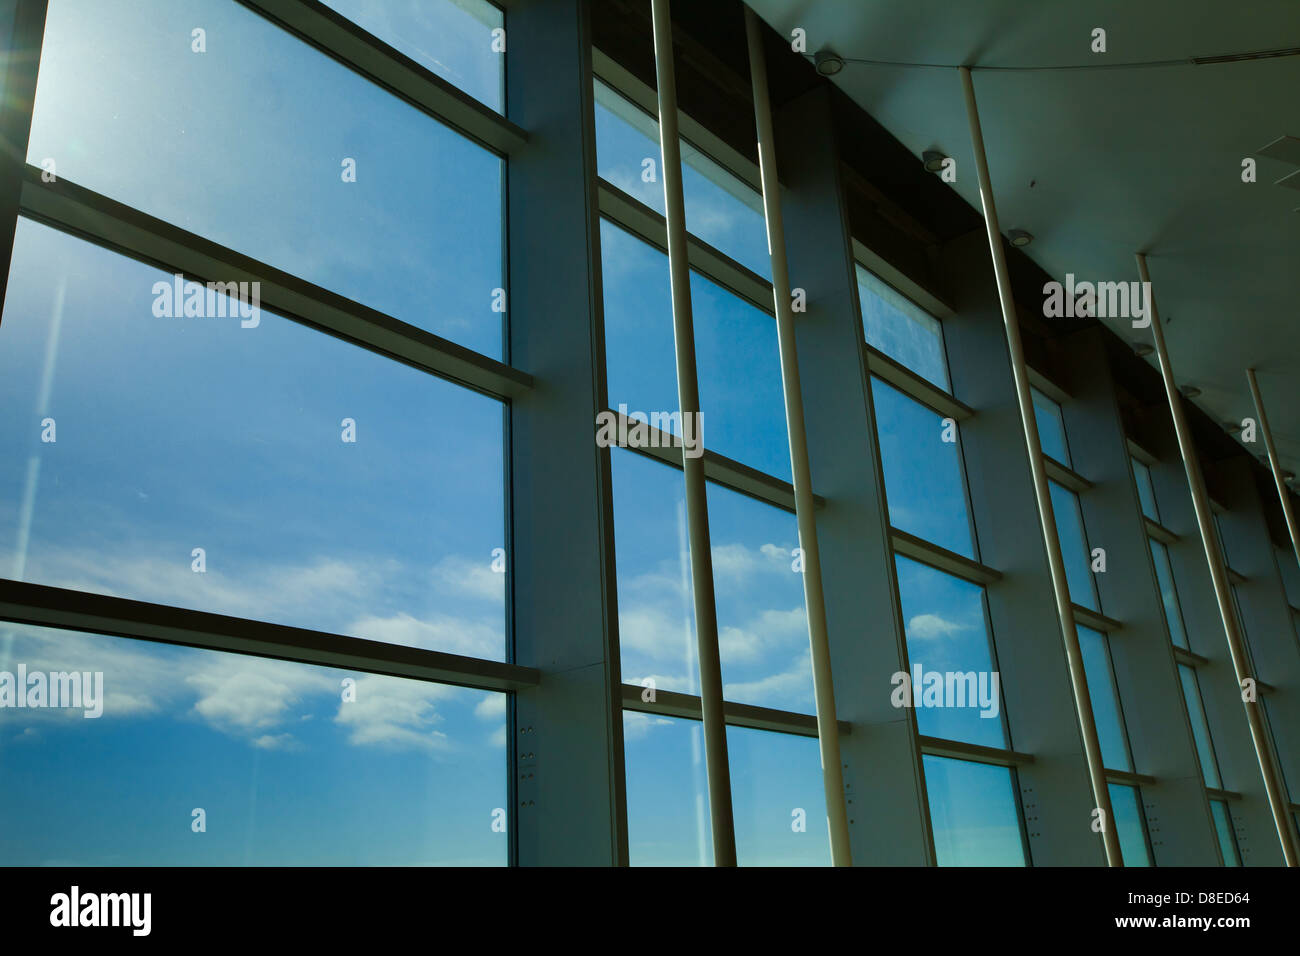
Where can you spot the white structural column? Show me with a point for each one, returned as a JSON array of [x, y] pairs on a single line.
[[823, 686], [1064, 608], [1274, 463], [688, 398], [1219, 575]]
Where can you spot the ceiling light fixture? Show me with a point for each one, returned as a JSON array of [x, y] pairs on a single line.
[[933, 160], [1143, 349], [828, 62], [1190, 391], [1019, 238]]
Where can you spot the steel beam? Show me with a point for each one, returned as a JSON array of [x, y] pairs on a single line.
[[1064, 608]]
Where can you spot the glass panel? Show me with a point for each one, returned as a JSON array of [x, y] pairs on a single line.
[[667, 791], [1051, 427], [1290, 571], [1146, 490], [1224, 831], [923, 473], [194, 139], [947, 636], [1168, 593], [1200, 727], [179, 434], [973, 813], [737, 355], [779, 803], [721, 209], [1074, 546], [287, 770], [1223, 540], [901, 329], [1130, 824], [1105, 699], [773, 777], [762, 628], [452, 38]]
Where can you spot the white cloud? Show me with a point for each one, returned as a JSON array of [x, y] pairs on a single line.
[[926, 627], [460, 575]]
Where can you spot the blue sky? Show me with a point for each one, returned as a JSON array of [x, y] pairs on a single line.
[[174, 434]]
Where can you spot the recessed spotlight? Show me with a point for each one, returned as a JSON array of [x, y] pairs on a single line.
[[1190, 391], [828, 62], [1288, 476], [933, 160], [1143, 349], [1019, 238]]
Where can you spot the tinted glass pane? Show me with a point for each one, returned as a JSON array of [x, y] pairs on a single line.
[[762, 628], [1200, 727], [1168, 593], [901, 329], [1223, 830], [1130, 825], [1051, 429], [177, 434], [1146, 491], [779, 803], [773, 776], [1223, 540], [923, 473], [947, 636], [1105, 699], [720, 209], [195, 139], [737, 356], [973, 813], [286, 770], [452, 38], [1074, 546], [1290, 571]]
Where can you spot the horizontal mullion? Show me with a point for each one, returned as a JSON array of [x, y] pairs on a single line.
[[1064, 475], [122, 228], [673, 704], [1140, 453], [1183, 656], [333, 34], [695, 134], [958, 565], [1130, 778], [638, 218], [1047, 386], [1001, 757], [914, 386], [38, 604], [719, 469], [1158, 531], [1214, 793], [1095, 619]]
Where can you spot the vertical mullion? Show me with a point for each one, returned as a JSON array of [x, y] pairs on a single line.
[[22, 57], [688, 400], [569, 805]]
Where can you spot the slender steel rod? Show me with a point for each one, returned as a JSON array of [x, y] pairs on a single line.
[[1275, 463], [837, 819], [688, 398], [1219, 576], [1046, 518]]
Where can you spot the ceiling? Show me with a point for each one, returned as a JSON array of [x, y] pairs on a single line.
[[1101, 163]]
